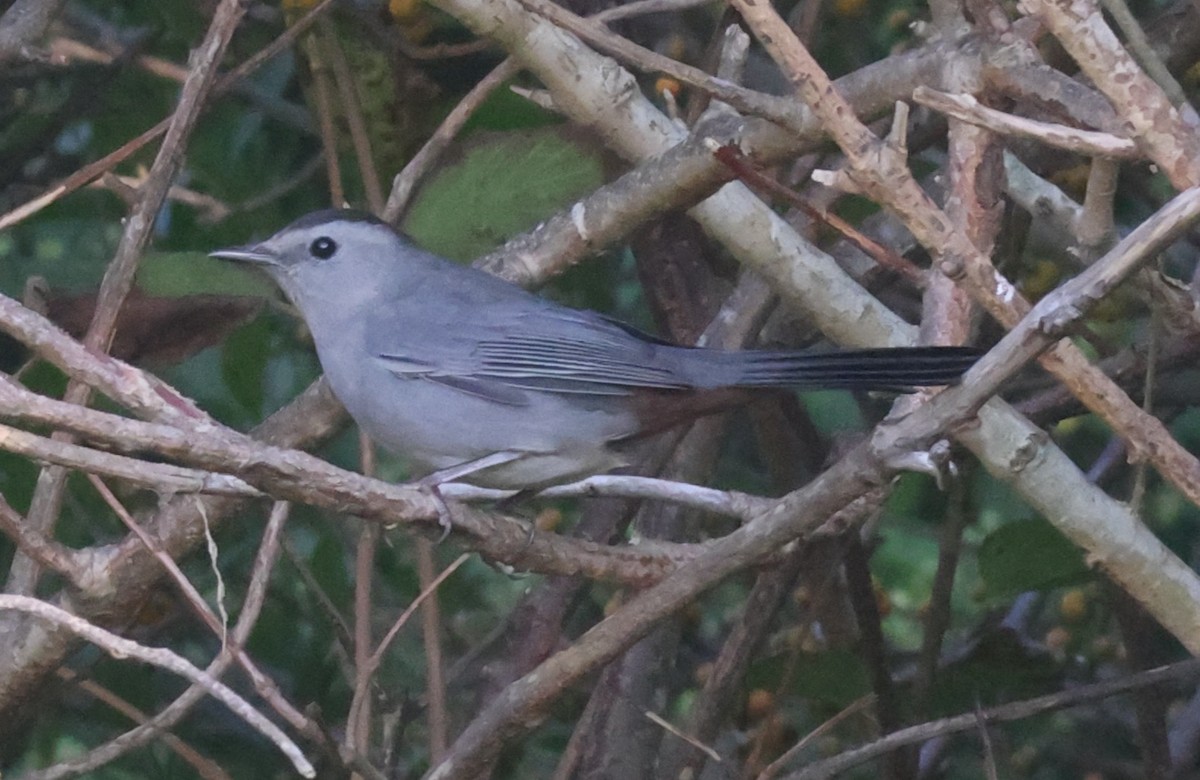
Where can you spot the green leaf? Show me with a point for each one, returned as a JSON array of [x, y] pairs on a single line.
[[243, 366], [506, 110], [188, 273], [503, 184], [836, 677], [1028, 555], [998, 665]]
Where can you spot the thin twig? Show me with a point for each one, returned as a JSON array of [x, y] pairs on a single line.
[[1020, 710], [968, 109], [731, 157], [937, 616], [92, 170], [358, 721], [853, 708], [47, 552], [341, 628], [441, 51], [728, 503], [366, 670], [119, 647], [285, 187], [118, 276], [174, 712], [351, 102], [322, 99], [210, 208], [206, 768], [293, 115], [406, 181], [431, 638], [377, 656], [189, 592], [666, 725]]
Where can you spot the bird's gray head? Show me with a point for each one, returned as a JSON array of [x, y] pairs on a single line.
[[331, 254]]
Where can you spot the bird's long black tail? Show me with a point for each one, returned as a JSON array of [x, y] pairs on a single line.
[[855, 369]]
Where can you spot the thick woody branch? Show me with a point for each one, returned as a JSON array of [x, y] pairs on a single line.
[[1109, 527], [298, 476], [1165, 134], [160, 477], [118, 277], [1001, 437], [882, 173], [46, 552], [1136, 548]]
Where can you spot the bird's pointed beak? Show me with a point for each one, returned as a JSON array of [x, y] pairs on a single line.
[[256, 254]]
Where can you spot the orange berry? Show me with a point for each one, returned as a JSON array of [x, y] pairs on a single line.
[[1073, 605], [759, 704], [667, 84]]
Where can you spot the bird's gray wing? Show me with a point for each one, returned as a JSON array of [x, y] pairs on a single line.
[[506, 352]]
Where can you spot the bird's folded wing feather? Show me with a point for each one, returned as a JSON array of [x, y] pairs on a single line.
[[548, 349]]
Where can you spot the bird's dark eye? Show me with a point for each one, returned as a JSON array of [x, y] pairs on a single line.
[[322, 248]]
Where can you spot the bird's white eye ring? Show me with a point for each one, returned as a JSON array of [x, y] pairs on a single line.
[[322, 248]]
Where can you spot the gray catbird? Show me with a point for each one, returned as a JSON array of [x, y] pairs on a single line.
[[474, 377]]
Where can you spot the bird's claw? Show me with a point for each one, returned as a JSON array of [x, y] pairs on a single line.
[[934, 461], [445, 516]]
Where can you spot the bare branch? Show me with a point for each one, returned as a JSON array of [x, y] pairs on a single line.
[[302, 477], [160, 477], [91, 171], [1159, 128], [119, 647], [156, 726], [968, 109], [1020, 710]]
